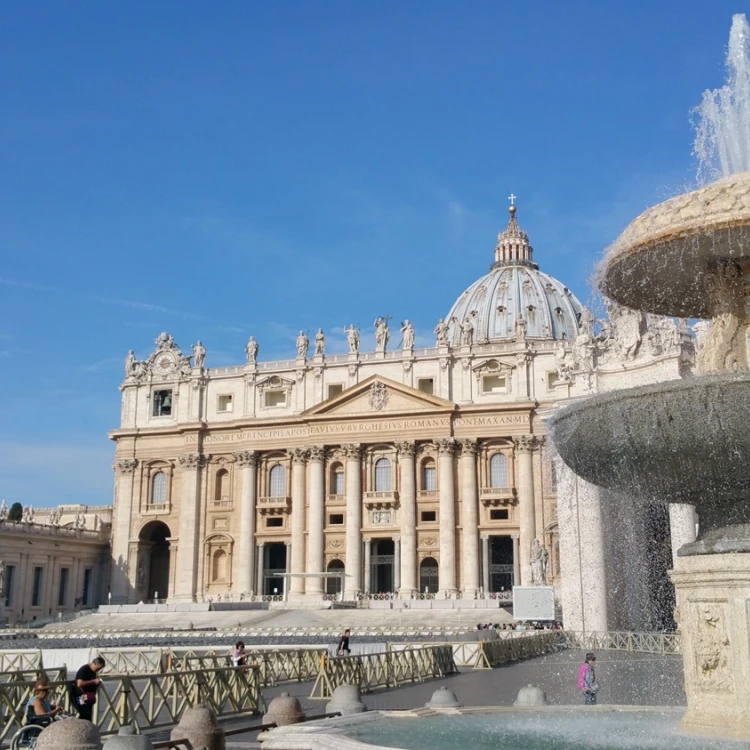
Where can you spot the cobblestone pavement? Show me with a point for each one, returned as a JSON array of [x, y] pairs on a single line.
[[635, 679]]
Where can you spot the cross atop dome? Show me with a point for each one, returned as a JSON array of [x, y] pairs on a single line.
[[513, 248]]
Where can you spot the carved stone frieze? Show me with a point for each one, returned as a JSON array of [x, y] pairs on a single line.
[[378, 398], [707, 622], [127, 465], [381, 517], [192, 460], [246, 458]]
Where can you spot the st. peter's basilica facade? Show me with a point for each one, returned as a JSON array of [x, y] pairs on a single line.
[[401, 472]]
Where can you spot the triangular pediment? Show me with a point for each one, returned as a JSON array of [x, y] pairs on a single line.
[[379, 395]]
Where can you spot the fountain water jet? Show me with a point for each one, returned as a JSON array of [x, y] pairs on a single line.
[[688, 441]]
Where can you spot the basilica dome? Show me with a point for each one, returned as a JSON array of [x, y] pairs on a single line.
[[515, 296]]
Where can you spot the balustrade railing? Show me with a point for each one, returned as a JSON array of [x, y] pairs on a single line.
[[151, 701], [649, 643], [388, 669]]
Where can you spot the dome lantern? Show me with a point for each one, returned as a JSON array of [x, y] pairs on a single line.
[[513, 246]]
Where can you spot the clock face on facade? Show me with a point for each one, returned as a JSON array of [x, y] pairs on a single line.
[[165, 363]]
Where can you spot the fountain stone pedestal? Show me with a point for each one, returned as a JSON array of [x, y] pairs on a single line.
[[713, 613]]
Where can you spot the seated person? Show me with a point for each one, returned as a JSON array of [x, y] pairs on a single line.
[[38, 709]]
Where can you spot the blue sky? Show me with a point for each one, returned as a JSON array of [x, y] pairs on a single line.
[[225, 169]]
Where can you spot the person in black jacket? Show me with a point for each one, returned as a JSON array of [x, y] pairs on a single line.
[[85, 686], [343, 648]]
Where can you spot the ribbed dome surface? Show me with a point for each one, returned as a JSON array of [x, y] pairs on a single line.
[[515, 287]]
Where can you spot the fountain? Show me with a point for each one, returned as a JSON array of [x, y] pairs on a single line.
[[688, 441]]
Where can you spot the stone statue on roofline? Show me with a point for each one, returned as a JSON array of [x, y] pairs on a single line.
[[441, 332], [199, 354], [3, 512], [303, 345], [320, 343], [382, 333], [251, 350], [467, 332], [352, 338], [539, 563], [407, 329]]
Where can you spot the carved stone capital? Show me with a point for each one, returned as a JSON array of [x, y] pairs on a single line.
[[298, 455], [127, 465], [446, 446], [468, 446], [352, 450], [246, 458], [192, 460], [406, 448], [526, 443], [317, 453]]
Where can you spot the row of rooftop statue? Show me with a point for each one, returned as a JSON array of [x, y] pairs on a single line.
[[625, 335], [53, 518]]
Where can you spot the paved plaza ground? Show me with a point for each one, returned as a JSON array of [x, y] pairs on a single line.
[[626, 678]]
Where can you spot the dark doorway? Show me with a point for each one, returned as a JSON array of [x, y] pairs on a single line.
[[382, 565], [334, 584], [274, 568], [152, 576], [501, 563], [428, 576]]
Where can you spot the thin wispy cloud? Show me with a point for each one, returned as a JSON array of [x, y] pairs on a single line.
[[148, 307]]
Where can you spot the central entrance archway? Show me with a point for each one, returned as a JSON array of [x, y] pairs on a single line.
[[152, 573], [428, 576], [382, 565]]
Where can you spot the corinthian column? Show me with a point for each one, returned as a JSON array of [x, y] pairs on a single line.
[[297, 583], [353, 519], [123, 515], [447, 569], [470, 520], [187, 553], [408, 497], [525, 445], [247, 462], [315, 537]]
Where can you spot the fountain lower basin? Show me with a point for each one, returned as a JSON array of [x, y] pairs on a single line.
[[682, 441], [562, 728]]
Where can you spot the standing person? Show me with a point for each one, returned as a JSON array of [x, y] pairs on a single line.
[[85, 686], [239, 657], [587, 681], [343, 648]]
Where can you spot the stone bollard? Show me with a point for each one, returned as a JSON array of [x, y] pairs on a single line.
[[71, 734], [346, 699], [284, 709], [127, 739], [198, 725], [531, 696], [443, 698]]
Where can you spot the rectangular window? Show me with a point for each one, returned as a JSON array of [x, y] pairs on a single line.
[[9, 571], [86, 587], [273, 523], [429, 478], [338, 483], [426, 385], [225, 402], [162, 403], [493, 384], [498, 514], [62, 591], [275, 398], [335, 389], [428, 516], [36, 591], [552, 381], [336, 519]]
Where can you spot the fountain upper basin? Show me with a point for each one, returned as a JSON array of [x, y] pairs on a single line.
[[683, 441], [658, 263]]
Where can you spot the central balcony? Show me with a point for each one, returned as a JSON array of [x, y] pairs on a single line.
[[381, 500], [493, 497], [271, 506]]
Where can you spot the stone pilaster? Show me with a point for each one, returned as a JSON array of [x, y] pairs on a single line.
[[187, 559], [516, 560], [525, 445], [396, 563], [682, 522], [353, 520], [470, 520], [247, 463], [259, 568], [408, 498], [296, 585], [486, 563], [120, 538], [368, 566], [316, 537], [447, 565]]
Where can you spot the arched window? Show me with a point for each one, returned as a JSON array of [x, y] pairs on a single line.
[[337, 479], [499, 470], [429, 475], [428, 576], [382, 475], [159, 488], [221, 493], [277, 480], [219, 566]]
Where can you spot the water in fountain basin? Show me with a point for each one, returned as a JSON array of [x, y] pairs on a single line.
[[537, 730], [722, 141]]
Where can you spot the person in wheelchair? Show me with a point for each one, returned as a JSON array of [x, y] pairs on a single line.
[[39, 710]]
